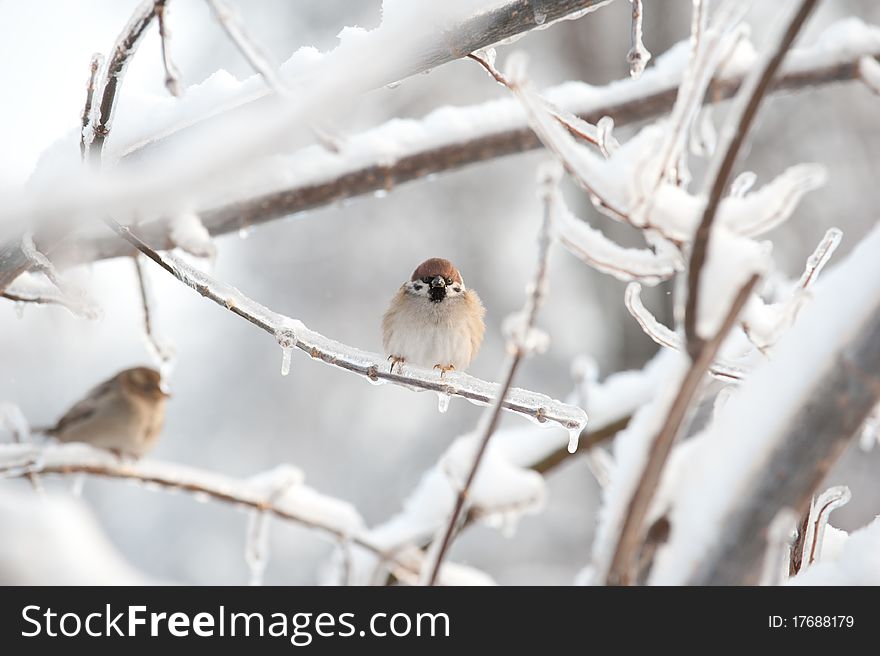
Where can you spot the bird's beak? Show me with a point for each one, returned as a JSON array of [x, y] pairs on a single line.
[[438, 282]]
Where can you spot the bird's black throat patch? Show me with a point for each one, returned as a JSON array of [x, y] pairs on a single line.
[[437, 294]]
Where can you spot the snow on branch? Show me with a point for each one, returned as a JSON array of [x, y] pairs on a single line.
[[299, 504], [773, 441], [293, 334], [748, 100]]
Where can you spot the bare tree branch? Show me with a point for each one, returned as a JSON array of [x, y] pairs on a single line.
[[622, 565], [749, 98], [519, 346], [638, 56]]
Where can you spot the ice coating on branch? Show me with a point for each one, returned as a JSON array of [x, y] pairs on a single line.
[[869, 70], [742, 184], [857, 561], [594, 248]]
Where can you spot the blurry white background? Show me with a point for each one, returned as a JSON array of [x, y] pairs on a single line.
[[337, 267]]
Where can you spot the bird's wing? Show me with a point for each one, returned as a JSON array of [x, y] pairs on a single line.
[[84, 408]]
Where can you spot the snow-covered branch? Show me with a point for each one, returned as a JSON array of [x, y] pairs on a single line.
[[293, 334], [774, 440], [387, 156]]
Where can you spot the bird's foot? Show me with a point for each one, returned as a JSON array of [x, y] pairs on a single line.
[[444, 368], [396, 360]]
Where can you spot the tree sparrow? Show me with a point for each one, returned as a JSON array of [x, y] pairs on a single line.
[[124, 414], [433, 320]]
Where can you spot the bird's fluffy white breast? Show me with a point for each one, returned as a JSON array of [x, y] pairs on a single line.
[[427, 334]]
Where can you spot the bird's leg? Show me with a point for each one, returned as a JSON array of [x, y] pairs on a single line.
[[396, 360], [444, 368]]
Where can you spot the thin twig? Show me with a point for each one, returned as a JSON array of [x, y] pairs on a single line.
[[160, 349], [246, 46], [631, 533], [749, 98], [519, 348], [638, 56], [86, 134], [291, 333], [124, 49], [172, 75]]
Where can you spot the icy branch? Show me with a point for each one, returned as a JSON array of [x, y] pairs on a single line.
[[246, 46], [124, 49], [638, 56], [869, 72], [299, 503], [742, 115], [172, 75], [519, 346], [160, 350], [86, 132], [291, 333]]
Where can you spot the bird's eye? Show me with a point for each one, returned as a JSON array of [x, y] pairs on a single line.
[[426, 279], [449, 281]]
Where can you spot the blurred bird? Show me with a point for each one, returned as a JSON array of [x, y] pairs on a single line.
[[124, 414], [434, 320]]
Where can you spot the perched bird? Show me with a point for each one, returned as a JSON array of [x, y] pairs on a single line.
[[124, 414], [434, 320]]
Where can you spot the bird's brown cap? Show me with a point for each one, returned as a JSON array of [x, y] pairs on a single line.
[[434, 267]]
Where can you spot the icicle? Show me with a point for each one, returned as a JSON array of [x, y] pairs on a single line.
[[244, 233], [285, 361], [257, 546], [443, 401], [77, 485], [870, 433], [19, 309], [286, 340], [574, 435]]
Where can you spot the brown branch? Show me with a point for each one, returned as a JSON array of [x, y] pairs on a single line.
[[638, 56], [520, 348], [631, 533], [172, 75], [738, 125], [84, 140]]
